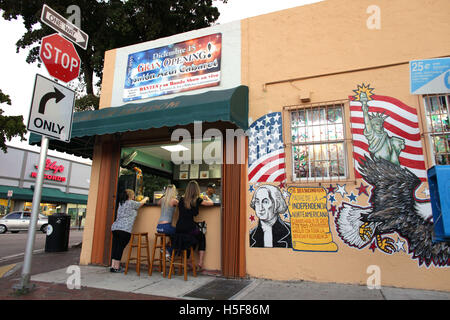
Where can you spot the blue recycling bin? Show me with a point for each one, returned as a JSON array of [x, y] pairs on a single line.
[[439, 183]]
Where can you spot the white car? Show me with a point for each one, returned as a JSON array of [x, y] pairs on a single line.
[[20, 221]]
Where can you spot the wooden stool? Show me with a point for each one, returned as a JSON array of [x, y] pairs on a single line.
[[139, 247], [164, 241], [182, 262]]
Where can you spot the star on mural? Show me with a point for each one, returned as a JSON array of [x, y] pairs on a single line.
[[332, 199], [333, 209], [286, 216], [362, 189], [252, 218], [282, 185], [400, 245], [251, 189], [352, 197], [341, 190], [373, 246], [331, 189], [426, 192]]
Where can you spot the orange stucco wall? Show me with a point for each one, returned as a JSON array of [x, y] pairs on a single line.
[[320, 44]]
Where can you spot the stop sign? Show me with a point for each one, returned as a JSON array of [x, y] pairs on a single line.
[[60, 57]]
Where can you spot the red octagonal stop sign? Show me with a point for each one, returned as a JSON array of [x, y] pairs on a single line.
[[60, 57]]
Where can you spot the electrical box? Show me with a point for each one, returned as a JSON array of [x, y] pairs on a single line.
[[439, 182]]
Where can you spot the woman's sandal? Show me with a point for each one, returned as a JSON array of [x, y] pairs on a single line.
[[199, 268]]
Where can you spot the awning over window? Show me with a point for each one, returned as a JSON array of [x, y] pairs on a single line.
[[229, 105], [48, 195]]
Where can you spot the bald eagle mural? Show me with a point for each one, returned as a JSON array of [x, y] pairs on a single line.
[[389, 158]]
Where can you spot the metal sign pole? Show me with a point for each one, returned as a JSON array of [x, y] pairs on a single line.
[[24, 283]]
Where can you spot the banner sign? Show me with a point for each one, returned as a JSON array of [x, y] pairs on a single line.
[[183, 66], [430, 76], [310, 225]]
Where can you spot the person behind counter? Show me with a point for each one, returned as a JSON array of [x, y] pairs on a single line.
[[188, 208], [168, 203], [122, 227], [211, 193]]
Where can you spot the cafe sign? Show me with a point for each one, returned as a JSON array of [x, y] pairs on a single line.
[[54, 168], [183, 66]]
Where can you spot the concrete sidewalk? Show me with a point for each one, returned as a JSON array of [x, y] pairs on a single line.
[[252, 289], [50, 274]]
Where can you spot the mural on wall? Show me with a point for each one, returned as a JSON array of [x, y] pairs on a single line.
[[309, 220], [389, 158], [266, 156], [271, 231], [266, 164]]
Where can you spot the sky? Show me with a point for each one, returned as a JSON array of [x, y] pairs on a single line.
[[17, 77]]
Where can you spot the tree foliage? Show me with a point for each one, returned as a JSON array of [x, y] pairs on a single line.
[[110, 24], [10, 126]]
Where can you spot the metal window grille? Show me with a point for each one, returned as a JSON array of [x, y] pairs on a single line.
[[318, 142], [437, 115]]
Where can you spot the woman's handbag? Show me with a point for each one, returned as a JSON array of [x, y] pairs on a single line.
[[202, 226]]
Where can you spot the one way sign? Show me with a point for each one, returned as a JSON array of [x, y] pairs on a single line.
[[51, 109]]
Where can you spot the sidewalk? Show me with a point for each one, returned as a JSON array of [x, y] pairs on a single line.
[[97, 283]]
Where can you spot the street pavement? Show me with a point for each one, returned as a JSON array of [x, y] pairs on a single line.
[[54, 280], [13, 244]]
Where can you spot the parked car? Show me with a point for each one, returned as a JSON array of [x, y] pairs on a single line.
[[20, 221]]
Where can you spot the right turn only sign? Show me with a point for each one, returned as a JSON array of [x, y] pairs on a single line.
[[51, 109]]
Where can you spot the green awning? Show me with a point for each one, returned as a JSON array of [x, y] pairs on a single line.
[[229, 105], [48, 195]]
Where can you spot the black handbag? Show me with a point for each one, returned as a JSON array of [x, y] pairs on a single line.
[[202, 226]]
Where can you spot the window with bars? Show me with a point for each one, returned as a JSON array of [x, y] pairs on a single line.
[[437, 114], [317, 134]]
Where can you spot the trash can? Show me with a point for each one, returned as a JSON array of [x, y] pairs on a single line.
[[58, 230], [439, 183]]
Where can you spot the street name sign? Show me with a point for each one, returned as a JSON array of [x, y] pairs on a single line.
[[430, 76], [51, 111], [57, 22], [60, 57]]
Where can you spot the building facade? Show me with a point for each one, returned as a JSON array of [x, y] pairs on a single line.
[[334, 184], [65, 187]]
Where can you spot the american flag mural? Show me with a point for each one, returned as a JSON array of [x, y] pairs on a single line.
[[266, 156], [400, 121]]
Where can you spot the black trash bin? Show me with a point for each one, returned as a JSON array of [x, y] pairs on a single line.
[[58, 230]]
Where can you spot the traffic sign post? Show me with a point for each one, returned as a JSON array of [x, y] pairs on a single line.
[[60, 58], [24, 285], [51, 109]]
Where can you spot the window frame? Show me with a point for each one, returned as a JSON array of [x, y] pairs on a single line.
[[347, 148], [429, 129]]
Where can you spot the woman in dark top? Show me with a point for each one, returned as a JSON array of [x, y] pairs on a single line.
[[187, 209]]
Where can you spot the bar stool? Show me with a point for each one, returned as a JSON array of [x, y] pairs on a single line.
[[140, 245], [164, 242], [182, 262]]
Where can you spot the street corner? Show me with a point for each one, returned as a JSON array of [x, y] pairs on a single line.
[[8, 269]]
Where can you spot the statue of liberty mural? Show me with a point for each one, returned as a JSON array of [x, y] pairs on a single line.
[[381, 145]]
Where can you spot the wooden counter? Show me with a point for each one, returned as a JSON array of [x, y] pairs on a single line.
[[147, 220]]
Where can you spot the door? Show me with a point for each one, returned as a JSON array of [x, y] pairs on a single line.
[[25, 221]]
